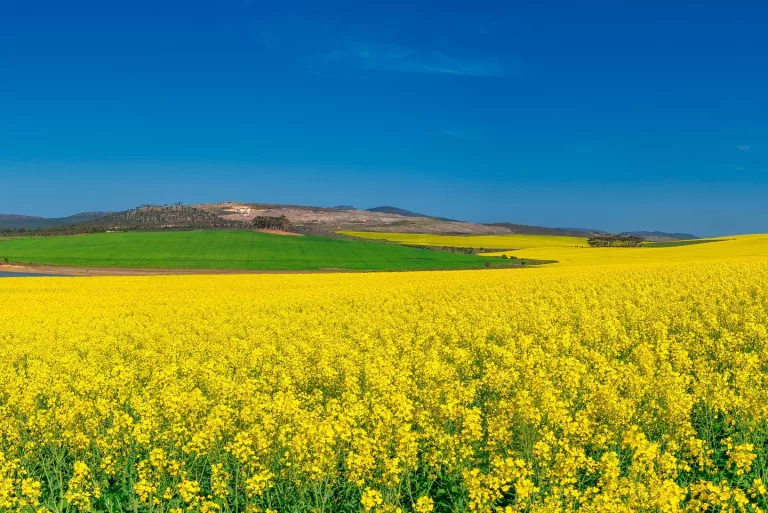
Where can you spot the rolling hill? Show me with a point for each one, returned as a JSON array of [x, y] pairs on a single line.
[[524, 229], [326, 221], [662, 236], [303, 219], [17, 222], [406, 213], [167, 217]]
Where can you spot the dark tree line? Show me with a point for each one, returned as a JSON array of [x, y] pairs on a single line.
[[271, 223], [611, 240]]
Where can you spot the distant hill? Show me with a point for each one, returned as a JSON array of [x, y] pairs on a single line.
[[542, 230], [16, 217], [394, 210], [662, 236], [649, 235], [144, 218], [16, 222], [405, 213], [579, 229], [165, 217], [328, 221], [304, 219]]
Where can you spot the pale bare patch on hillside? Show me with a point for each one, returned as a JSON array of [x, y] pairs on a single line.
[[329, 220]]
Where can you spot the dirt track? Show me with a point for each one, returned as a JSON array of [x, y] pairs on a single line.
[[281, 232]]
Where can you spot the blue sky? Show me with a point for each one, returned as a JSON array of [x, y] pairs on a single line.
[[612, 115]]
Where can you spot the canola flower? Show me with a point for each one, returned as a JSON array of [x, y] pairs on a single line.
[[598, 389]]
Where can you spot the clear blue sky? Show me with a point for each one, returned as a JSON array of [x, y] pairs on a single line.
[[612, 115]]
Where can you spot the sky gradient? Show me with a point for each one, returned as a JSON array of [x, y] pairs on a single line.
[[638, 116]]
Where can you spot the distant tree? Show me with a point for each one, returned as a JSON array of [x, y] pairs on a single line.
[[271, 223]]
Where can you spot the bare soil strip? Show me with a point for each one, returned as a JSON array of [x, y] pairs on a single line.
[[280, 232]]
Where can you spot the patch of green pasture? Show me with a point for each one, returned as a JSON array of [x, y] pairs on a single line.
[[224, 249]]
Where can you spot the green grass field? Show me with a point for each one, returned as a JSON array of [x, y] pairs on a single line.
[[228, 250]]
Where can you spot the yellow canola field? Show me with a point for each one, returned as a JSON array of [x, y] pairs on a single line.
[[598, 389], [473, 241], [739, 246], [568, 251]]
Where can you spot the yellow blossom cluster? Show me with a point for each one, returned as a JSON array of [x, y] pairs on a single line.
[[622, 388]]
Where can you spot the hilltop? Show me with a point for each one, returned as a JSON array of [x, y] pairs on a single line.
[[167, 217], [524, 229], [322, 220], [405, 213]]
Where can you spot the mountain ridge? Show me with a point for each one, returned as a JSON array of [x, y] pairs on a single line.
[[303, 218], [658, 235], [23, 222], [405, 213]]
